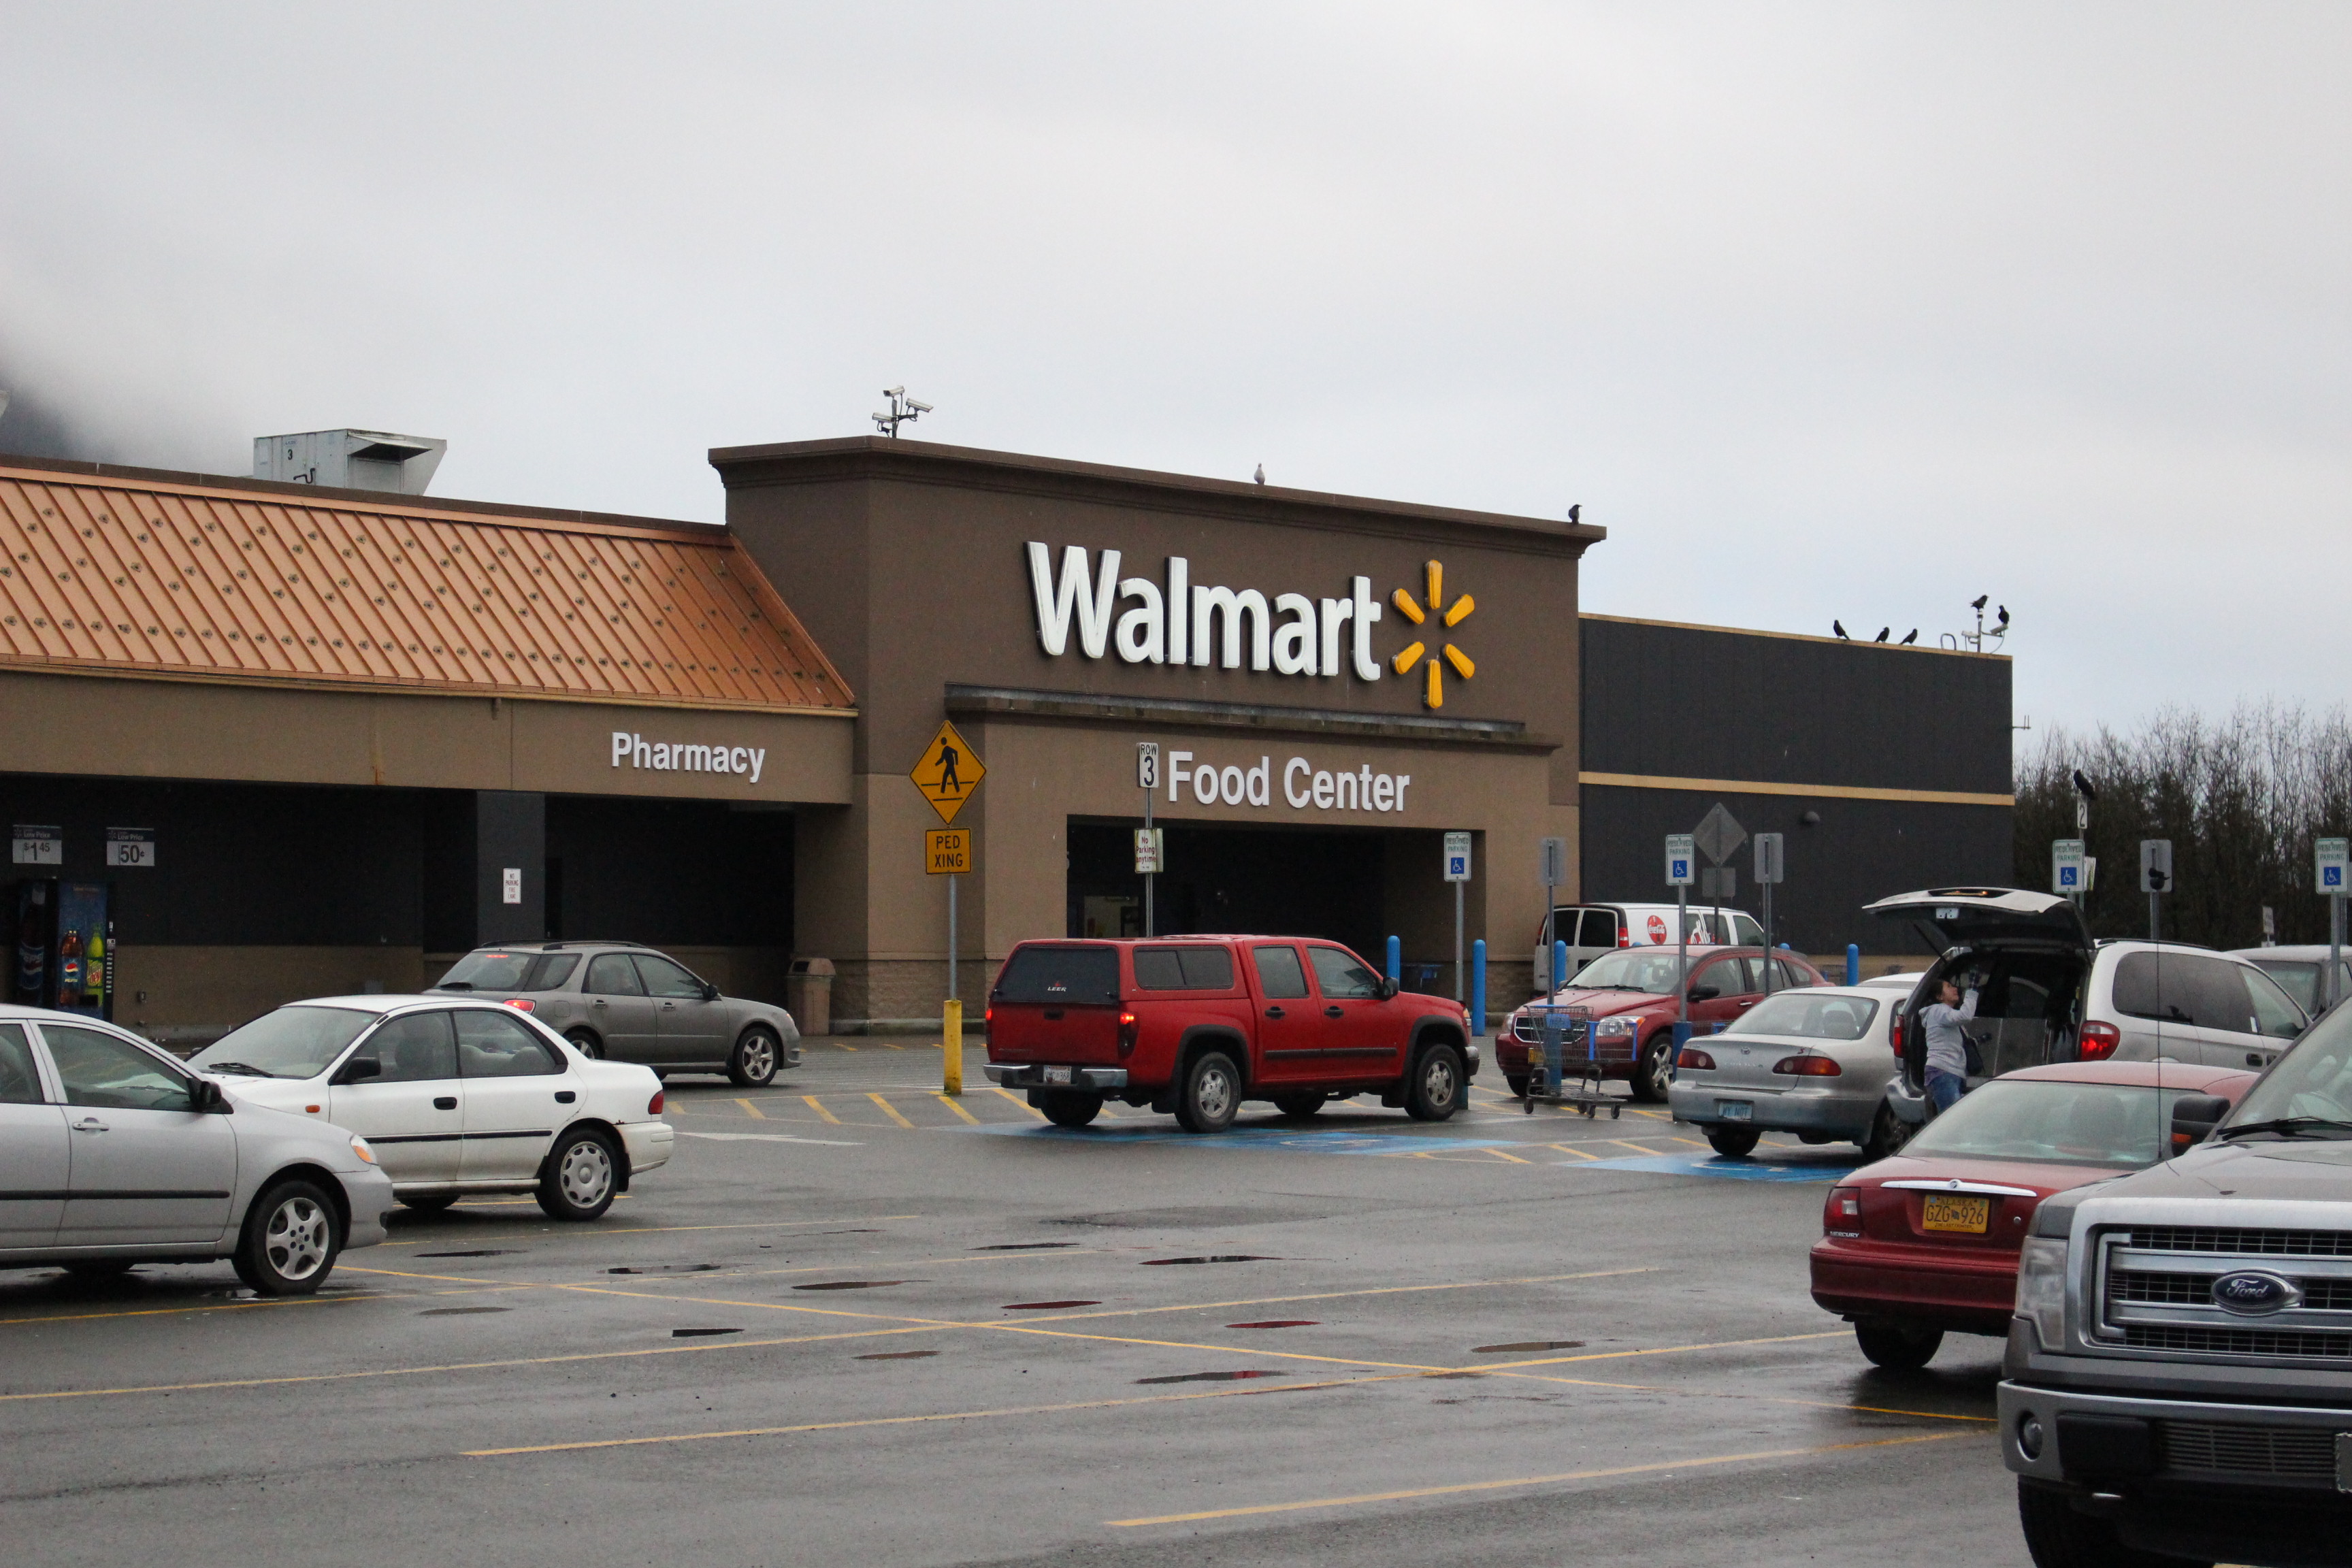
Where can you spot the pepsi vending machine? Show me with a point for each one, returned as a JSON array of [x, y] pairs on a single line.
[[65, 946]]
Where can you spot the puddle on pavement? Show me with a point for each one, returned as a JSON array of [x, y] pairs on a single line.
[[855, 1284], [1044, 1306], [1211, 1376], [898, 1355], [461, 1311], [1024, 1247], [699, 1333], [1529, 1345], [1277, 1323], [1220, 1257], [668, 1268], [477, 1252]]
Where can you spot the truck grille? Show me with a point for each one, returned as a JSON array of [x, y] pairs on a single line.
[[2236, 1342], [2223, 1239], [2183, 1289], [2297, 1451], [2155, 1291]]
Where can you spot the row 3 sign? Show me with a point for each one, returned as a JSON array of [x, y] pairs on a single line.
[[31, 844]]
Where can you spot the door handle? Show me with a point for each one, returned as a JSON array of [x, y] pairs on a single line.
[[565, 1097], [1333, 1013], [1274, 1013], [599, 1002], [2254, 1058], [89, 1124], [445, 1102], [670, 1006]]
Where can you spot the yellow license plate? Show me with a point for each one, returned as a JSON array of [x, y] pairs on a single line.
[[1951, 1211]]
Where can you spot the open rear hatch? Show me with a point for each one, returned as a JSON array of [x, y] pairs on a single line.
[[1984, 918]]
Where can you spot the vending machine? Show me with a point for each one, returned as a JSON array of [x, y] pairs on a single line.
[[65, 946]]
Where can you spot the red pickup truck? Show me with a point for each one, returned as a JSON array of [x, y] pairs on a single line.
[[1195, 1025]]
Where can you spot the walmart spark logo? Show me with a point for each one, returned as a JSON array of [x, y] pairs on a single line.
[[1454, 615]]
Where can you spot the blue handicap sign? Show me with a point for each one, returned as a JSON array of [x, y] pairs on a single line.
[[1682, 868], [2333, 877], [2068, 876], [1458, 864]]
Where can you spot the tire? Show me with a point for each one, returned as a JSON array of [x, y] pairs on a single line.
[[2058, 1537], [1298, 1107], [581, 1175], [1438, 1085], [291, 1237], [1654, 1070], [1897, 1347], [755, 1059], [1888, 1134], [1066, 1108], [1211, 1094], [590, 1046], [1732, 1142], [1517, 1084], [426, 1203]]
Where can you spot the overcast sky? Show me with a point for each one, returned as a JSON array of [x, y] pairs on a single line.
[[1849, 311]]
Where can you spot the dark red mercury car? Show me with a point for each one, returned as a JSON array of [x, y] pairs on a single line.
[[1925, 1243], [1630, 996], [1195, 1025]]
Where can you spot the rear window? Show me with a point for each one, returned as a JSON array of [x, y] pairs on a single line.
[[1192, 968], [493, 969], [1086, 974], [1810, 1017]]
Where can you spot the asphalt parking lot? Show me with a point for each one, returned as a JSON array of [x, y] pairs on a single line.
[[854, 1321]]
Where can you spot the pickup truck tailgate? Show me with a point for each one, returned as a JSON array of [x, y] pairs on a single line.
[[1030, 1032]]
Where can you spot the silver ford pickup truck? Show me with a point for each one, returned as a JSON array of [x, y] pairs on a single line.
[[2178, 1385]]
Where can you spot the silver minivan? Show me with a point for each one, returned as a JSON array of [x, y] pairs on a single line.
[[2048, 992]]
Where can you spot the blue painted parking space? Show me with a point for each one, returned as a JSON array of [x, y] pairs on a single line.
[[1760, 1167], [1242, 1137]]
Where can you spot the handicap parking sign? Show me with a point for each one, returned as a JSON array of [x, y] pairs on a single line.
[[2331, 858]]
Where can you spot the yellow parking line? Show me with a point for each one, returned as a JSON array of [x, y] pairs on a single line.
[[892, 1111], [751, 1110], [1461, 1487], [1653, 1115], [948, 1101], [1017, 1099], [1637, 1148], [818, 1106], [1572, 1148], [1694, 1142]]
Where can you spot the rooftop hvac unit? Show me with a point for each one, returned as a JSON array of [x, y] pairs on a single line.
[[349, 460]]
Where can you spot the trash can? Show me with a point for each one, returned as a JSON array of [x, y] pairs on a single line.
[[808, 994]]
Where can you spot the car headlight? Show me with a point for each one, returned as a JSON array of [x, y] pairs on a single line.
[[360, 1147], [1612, 1028], [2042, 1288]]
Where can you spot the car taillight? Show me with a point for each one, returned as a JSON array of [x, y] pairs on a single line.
[[1624, 936], [1693, 1059], [1808, 1067], [2099, 1041], [654, 1106], [1842, 1215], [521, 1003], [988, 1015], [1128, 1028]]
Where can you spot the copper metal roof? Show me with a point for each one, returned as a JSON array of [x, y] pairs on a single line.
[[263, 583]]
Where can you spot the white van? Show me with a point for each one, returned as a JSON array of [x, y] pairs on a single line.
[[1591, 929]]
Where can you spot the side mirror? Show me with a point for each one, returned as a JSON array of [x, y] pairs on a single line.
[[1704, 993], [710, 991], [2194, 1116], [359, 1068], [206, 1096], [1388, 988]]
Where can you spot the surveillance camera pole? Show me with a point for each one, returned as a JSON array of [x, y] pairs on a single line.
[[904, 410]]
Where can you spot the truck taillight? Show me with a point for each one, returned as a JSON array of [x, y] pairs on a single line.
[[1808, 1067], [1624, 936], [1842, 1215], [521, 1003], [2099, 1041], [654, 1106], [1128, 1028], [1693, 1059]]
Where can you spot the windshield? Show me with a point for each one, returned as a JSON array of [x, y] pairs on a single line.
[[2054, 1123], [2300, 980], [292, 1042], [1629, 969], [1811, 1018], [2313, 1079]]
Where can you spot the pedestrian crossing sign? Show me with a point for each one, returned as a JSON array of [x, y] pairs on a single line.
[[947, 772]]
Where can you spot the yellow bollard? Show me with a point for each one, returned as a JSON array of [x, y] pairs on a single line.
[[952, 1046]]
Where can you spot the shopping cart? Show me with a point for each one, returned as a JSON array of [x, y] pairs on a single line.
[[1561, 1053]]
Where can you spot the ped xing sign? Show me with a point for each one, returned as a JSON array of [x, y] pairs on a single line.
[[947, 851], [2330, 855], [949, 771], [1680, 848], [1457, 857]]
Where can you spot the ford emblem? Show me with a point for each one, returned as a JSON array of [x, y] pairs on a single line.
[[2255, 1294]]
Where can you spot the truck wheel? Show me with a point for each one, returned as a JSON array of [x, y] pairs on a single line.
[[1437, 1086], [1066, 1108], [1298, 1107], [1888, 1134], [1652, 1070], [1211, 1095], [2058, 1537], [1897, 1347], [753, 1065], [1732, 1142]]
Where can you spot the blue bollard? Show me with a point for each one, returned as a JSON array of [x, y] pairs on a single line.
[[1853, 964], [1396, 960], [1559, 964], [1479, 987]]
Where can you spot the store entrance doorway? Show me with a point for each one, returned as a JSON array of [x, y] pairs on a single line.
[[1238, 880]]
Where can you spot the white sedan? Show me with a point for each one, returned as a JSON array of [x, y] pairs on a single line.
[[455, 1097], [112, 1153]]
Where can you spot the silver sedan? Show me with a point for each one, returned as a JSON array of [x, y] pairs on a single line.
[[1815, 1062]]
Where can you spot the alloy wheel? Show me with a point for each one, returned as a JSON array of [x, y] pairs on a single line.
[[1215, 1094], [295, 1240]]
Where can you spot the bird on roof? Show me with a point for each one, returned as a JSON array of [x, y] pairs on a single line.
[[1576, 512], [2084, 786], [1839, 627], [2004, 615], [1978, 602], [1261, 473], [1910, 636], [1884, 632]]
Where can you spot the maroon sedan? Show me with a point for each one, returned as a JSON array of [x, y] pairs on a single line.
[[1925, 1242]]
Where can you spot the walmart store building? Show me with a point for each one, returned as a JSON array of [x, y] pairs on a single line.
[[298, 740]]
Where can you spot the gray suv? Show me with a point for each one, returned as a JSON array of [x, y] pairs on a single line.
[[628, 1003]]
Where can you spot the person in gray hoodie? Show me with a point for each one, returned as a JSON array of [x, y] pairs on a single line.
[[1947, 1047]]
